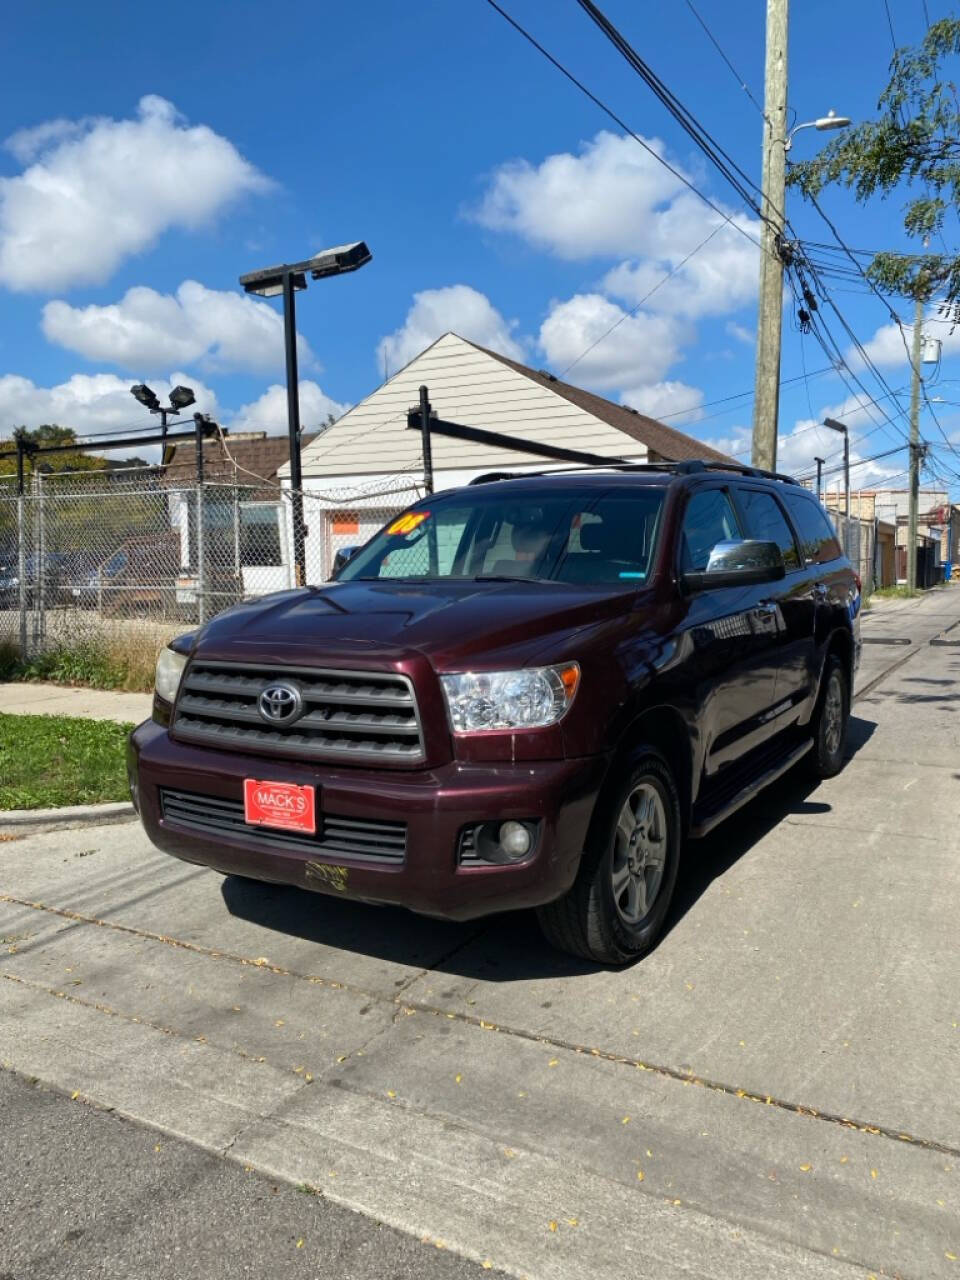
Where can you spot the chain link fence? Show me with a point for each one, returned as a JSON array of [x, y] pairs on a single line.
[[125, 559]]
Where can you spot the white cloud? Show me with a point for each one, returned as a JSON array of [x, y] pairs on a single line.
[[614, 199], [97, 191], [456, 308], [798, 448], [147, 330], [269, 412], [742, 334], [890, 345], [89, 402], [600, 203], [638, 351], [677, 402]]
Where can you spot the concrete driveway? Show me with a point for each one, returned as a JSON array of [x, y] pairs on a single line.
[[774, 1090]]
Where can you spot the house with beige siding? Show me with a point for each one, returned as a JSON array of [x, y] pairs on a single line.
[[368, 465]]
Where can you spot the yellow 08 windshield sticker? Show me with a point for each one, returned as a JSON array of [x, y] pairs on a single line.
[[407, 523]]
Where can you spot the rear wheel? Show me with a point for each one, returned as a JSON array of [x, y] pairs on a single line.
[[616, 906], [830, 721]]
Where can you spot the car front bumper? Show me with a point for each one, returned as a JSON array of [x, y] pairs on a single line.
[[435, 805]]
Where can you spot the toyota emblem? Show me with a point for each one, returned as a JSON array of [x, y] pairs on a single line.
[[280, 703]]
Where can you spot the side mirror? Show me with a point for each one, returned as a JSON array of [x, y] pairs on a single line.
[[738, 564], [343, 555]]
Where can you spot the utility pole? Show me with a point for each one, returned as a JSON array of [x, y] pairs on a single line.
[[766, 402], [915, 448]]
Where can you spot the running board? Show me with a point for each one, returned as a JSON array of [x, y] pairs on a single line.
[[751, 791]]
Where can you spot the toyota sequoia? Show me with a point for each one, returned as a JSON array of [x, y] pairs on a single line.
[[529, 692]]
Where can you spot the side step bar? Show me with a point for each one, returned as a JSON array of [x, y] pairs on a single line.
[[710, 820]]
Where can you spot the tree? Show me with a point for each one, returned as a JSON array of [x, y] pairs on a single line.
[[48, 434], [915, 144]]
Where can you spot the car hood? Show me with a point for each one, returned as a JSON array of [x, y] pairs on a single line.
[[451, 623]]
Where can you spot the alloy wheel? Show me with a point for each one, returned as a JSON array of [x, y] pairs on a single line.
[[833, 715], [639, 852]]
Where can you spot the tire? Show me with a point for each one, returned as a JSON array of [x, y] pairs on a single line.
[[830, 720], [606, 915]]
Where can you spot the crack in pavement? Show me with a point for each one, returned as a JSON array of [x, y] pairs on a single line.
[[684, 1077]]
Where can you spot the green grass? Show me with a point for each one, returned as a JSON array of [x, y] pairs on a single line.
[[48, 761]]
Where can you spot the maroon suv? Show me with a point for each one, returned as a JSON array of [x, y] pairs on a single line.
[[525, 693]]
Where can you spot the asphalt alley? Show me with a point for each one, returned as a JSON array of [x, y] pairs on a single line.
[[775, 1088]]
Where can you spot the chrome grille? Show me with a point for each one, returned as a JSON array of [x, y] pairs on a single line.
[[360, 839], [347, 715]]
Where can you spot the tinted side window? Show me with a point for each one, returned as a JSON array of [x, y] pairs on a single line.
[[708, 519], [818, 542], [767, 522]]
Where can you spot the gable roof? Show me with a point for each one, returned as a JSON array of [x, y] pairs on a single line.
[[668, 444], [480, 388]]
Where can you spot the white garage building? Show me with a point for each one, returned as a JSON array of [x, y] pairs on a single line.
[[368, 465]]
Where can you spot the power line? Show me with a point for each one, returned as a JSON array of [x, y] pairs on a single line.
[[893, 38], [627, 315], [736, 74], [621, 123], [700, 136]]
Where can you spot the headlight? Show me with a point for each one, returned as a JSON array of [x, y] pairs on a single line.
[[169, 670], [527, 699]]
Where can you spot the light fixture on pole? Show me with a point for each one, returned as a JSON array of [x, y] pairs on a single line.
[[286, 279], [180, 398], [824, 123], [819, 462], [834, 425]]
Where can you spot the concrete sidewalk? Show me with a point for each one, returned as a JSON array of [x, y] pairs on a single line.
[[22, 699]]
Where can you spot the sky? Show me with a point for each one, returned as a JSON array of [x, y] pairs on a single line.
[[153, 154]]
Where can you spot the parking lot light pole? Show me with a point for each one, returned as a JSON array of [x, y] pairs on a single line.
[[285, 280]]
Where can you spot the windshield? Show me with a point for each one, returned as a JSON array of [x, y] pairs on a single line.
[[586, 536]]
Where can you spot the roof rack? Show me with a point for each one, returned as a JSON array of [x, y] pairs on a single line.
[[689, 467], [696, 464]]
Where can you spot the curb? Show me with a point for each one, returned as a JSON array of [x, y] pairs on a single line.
[[33, 821]]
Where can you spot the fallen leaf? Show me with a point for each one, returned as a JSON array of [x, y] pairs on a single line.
[[573, 1222], [844, 1159], [300, 1243], [279, 1022], [639, 1175], [625, 1120], [391, 1093], [553, 1062], [458, 1079], [873, 1173], [75, 1094], [157, 1147], [553, 1226], [805, 1168], [486, 1264]]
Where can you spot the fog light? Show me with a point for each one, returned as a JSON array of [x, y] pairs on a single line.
[[515, 839]]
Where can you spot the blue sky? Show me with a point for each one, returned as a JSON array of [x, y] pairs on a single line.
[[165, 150]]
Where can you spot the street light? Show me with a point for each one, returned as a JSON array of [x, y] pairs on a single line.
[[830, 121], [287, 279], [180, 398], [834, 425]]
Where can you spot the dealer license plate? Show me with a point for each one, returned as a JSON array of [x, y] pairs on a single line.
[[280, 804]]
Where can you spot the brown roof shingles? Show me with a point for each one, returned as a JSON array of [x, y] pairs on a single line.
[[255, 459]]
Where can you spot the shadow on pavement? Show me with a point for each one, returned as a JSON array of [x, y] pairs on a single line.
[[509, 947]]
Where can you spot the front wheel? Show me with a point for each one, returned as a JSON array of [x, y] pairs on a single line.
[[617, 905], [830, 721]]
